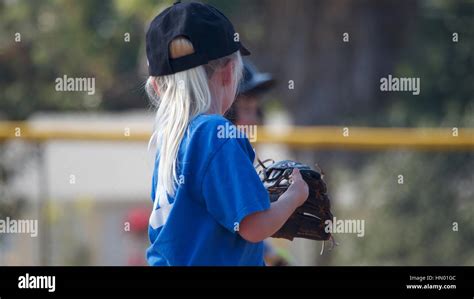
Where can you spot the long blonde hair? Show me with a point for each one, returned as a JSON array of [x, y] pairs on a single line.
[[182, 96]]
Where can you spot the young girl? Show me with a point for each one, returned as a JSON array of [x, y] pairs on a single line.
[[210, 207]]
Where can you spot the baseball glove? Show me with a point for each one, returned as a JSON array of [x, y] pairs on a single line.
[[308, 221]]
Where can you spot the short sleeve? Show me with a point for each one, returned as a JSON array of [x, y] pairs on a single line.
[[231, 187]]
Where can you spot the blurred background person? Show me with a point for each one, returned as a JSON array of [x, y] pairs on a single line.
[[137, 220], [247, 108]]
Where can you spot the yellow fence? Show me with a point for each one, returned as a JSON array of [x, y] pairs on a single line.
[[350, 138]]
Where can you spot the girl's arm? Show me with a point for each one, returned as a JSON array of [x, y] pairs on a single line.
[[260, 225]]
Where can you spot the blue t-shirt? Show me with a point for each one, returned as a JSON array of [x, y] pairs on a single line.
[[218, 188]]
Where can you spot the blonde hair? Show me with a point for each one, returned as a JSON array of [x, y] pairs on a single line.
[[182, 96]]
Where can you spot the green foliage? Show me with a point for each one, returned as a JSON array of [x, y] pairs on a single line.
[[444, 66], [409, 223], [73, 38], [412, 223]]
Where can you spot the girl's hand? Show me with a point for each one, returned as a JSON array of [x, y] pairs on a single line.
[[260, 225], [298, 190]]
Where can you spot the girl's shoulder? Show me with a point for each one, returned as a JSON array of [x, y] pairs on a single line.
[[215, 130], [208, 124]]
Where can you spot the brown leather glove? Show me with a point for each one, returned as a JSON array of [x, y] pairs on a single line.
[[308, 221]]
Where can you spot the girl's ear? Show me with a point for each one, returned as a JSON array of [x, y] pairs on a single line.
[[155, 86]]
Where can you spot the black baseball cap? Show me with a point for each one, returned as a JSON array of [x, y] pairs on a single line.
[[210, 32], [254, 82]]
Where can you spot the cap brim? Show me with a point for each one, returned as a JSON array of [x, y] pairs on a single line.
[[244, 51], [260, 83]]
